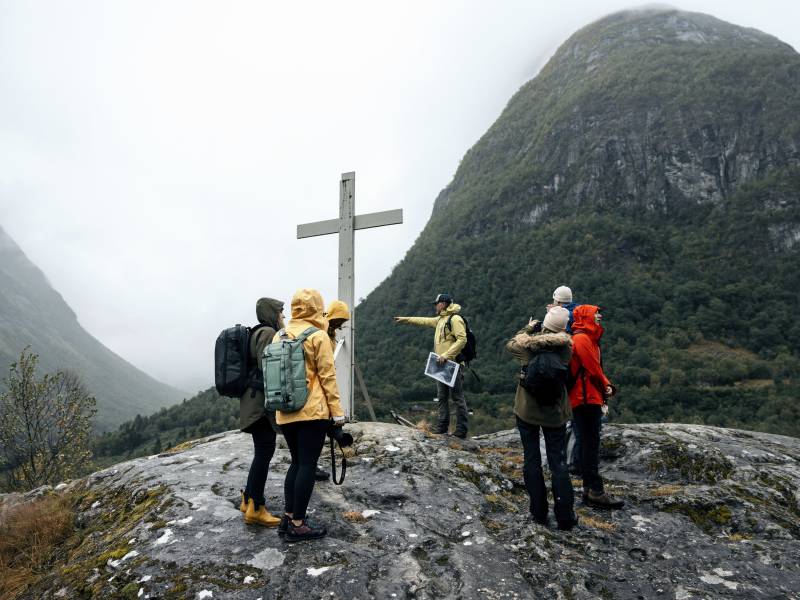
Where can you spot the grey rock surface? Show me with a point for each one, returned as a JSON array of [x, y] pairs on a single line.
[[711, 513]]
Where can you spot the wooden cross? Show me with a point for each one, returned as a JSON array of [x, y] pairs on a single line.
[[345, 226]]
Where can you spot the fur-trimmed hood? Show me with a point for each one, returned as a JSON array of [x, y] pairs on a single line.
[[544, 341]]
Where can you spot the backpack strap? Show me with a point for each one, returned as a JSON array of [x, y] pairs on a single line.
[[333, 464]]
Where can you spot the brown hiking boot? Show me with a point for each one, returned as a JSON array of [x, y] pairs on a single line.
[[305, 531], [243, 505], [260, 516], [602, 500]]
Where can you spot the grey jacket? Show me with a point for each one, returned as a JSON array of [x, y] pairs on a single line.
[[523, 346]]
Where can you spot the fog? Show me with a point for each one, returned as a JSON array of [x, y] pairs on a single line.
[[158, 156]]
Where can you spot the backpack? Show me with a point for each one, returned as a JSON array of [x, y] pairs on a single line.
[[544, 377], [470, 351], [234, 372], [284, 365]]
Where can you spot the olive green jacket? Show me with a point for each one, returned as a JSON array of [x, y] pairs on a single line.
[[251, 403], [447, 341], [523, 346]]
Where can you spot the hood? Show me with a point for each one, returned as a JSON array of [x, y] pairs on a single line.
[[583, 321], [453, 309], [267, 311], [307, 305], [544, 341], [337, 310]]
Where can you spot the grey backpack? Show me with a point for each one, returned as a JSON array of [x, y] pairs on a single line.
[[284, 364]]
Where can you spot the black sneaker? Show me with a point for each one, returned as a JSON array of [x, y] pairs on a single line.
[[602, 500], [460, 434], [575, 470], [304, 531], [540, 520], [283, 526], [321, 475], [568, 525], [439, 430]]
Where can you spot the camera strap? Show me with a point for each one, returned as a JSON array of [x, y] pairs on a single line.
[[333, 463]]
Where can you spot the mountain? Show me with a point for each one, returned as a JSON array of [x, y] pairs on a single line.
[[33, 314], [710, 513], [653, 165]]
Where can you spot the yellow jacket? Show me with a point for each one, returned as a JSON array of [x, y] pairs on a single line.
[[336, 310], [323, 393], [447, 341]]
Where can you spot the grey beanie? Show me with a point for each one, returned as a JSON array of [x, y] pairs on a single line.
[[562, 294], [556, 319]]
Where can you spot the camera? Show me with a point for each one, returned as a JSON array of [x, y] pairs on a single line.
[[343, 438]]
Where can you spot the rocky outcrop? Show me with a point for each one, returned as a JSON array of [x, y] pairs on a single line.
[[711, 513]]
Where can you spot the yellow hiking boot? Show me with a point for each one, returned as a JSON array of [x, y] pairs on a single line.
[[243, 505], [259, 517]]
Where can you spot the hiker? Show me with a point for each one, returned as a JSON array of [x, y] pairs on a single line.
[[548, 414], [449, 339], [562, 296], [305, 429], [590, 391], [337, 314], [257, 421]]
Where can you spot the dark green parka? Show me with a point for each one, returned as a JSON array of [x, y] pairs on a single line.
[[251, 404], [523, 347]]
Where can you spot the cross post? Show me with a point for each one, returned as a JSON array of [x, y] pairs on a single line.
[[346, 226]]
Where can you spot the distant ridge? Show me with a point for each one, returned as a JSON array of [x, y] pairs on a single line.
[[33, 314]]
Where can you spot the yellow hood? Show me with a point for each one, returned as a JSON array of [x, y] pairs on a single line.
[[307, 305], [337, 310]]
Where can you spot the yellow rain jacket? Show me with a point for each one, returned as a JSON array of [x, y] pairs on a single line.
[[447, 341], [336, 310], [323, 393]]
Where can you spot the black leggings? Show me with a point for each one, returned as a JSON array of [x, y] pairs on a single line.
[[305, 440], [263, 449]]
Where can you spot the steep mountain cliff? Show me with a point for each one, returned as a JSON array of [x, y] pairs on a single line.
[[653, 165], [33, 314], [711, 513]]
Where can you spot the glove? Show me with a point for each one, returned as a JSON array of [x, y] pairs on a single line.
[[338, 421]]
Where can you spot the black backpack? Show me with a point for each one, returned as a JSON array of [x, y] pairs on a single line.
[[470, 351], [234, 371], [544, 377]]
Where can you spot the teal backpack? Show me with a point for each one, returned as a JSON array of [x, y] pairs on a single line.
[[284, 365]]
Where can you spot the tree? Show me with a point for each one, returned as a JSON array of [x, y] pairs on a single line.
[[45, 425]]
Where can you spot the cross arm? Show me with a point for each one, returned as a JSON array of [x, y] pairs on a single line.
[[377, 219]]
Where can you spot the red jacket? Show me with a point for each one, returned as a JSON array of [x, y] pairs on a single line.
[[585, 367]]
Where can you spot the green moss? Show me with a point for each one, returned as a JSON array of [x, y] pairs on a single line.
[[704, 517], [694, 466], [113, 554], [130, 591]]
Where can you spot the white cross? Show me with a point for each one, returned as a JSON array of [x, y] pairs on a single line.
[[345, 226]]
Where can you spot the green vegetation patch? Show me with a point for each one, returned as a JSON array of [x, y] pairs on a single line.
[[693, 465]]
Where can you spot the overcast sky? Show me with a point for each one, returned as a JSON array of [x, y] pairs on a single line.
[[157, 156]]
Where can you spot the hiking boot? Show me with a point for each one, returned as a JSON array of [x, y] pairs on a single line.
[[460, 434], [260, 515], [439, 430], [321, 475], [243, 505], [304, 531], [568, 525], [283, 527], [602, 500], [540, 520]]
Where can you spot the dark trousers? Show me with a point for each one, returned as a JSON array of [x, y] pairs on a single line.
[[586, 419], [305, 440], [456, 393], [263, 449], [561, 485]]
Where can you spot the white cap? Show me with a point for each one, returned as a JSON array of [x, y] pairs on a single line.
[[556, 319], [562, 294]]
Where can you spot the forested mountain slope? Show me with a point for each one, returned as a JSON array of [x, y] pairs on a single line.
[[653, 166], [33, 314]]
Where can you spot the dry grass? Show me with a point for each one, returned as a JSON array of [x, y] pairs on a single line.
[[423, 425], [587, 519], [354, 517], [28, 534], [666, 490]]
